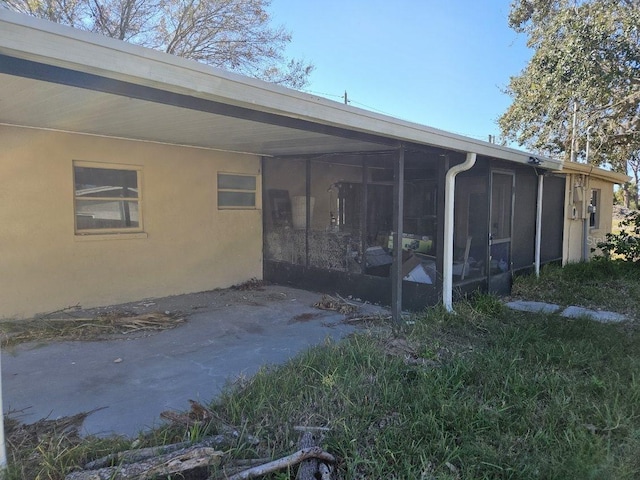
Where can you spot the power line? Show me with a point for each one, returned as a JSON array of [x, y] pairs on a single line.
[[350, 101]]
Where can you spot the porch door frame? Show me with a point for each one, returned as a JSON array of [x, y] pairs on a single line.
[[499, 279]]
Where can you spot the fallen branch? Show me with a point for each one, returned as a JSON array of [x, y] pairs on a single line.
[[141, 454], [232, 467], [179, 461], [284, 462], [308, 468], [347, 302]]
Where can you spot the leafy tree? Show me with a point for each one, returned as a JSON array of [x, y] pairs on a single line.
[[634, 167], [624, 245], [232, 34], [587, 55]]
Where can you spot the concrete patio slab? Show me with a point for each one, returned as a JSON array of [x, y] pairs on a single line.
[[533, 307], [228, 334]]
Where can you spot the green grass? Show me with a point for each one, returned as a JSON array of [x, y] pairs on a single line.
[[514, 397], [485, 393], [601, 284]]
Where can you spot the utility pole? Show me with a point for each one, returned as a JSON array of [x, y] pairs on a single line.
[[572, 156]]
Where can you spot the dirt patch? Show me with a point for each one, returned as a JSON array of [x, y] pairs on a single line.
[[407, 350], [252, 284], [304, 317]]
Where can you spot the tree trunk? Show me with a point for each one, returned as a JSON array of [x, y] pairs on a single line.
[[626, 195]]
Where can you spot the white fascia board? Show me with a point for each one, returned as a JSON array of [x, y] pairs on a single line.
[[41, 41], [596, 172]]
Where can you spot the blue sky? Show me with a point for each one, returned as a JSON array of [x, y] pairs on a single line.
[[440, 63]]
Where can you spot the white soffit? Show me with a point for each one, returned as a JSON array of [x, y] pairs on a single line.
[[37, 104], [32, 39]]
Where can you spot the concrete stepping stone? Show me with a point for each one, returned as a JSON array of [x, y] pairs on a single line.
[[533, 307], [598, 316]]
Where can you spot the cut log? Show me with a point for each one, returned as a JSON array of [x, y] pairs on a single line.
[[308, 468], [180, 461], [325, 471], [141, 454]]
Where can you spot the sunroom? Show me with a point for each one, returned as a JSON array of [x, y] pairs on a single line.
[[330, 221]]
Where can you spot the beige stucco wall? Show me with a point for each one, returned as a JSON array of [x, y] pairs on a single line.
[[574, 228], [188, 244], [605, 207]]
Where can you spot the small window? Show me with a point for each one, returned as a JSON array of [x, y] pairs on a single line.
[[107, 199], [594, 210], [236, 191]]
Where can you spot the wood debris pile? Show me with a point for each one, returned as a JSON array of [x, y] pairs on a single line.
[[340, 305], [153, 321], [24, 436], [206, 459], [89, 328], [251, 284]]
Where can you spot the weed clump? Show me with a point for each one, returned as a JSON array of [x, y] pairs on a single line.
[[624, 245]]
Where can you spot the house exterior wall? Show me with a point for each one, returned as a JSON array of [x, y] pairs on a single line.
[[574, 223], [605, 213], [187, 244]]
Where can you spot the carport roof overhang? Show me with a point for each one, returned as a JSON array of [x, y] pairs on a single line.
[[55, 77]]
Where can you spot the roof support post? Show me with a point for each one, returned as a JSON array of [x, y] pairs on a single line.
[[364, 212], [449, 196], [539, 222], [398, 228], [307, 225]]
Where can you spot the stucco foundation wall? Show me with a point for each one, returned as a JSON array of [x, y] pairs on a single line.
[[188, 244]]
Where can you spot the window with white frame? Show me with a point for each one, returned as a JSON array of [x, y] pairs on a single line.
[[236, 191], [107, 198]]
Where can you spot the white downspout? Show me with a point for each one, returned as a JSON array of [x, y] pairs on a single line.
[[585, 211], [586, 194], [539, 223], [449, 196]]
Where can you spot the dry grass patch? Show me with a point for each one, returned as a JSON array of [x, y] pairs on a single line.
[[84, 329]]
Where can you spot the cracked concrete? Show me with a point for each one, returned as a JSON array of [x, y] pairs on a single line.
[[225, 337]]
